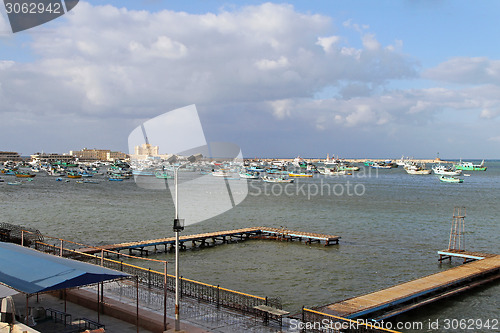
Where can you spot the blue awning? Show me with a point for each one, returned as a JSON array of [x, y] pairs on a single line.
[[30, 271]]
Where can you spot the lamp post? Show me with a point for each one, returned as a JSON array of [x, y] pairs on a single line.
[[178, 227]]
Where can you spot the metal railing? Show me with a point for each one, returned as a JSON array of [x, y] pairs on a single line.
[[200, 291], [315, 321]]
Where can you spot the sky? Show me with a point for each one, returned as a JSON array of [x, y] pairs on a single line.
[[354, 79]]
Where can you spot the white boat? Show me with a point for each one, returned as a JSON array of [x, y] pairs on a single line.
[[415, 169], [279, 179], [332, 172], [441, 169], [450, 179], [249, 175], [54, 173], [220, 173]]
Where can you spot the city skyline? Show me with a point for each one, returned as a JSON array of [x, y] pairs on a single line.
[[357, 79]]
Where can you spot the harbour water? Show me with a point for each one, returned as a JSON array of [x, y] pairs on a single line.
[[392, 225]]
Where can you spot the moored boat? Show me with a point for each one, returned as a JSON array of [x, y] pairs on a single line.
[[469, 166], [279, 179], [347, 167], [249, 175], [73, 174], [380, 165], [450, 179], [220, 173], [416, 169], [441, 169], [21, 174], [332, 172], [163, 175], [303, 175]]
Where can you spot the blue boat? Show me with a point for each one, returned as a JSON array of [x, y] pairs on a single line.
[[114, 179]]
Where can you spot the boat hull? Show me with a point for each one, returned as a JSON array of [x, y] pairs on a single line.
[[445, 179], [470, 168]]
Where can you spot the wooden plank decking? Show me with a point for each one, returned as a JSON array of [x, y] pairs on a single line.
[[212, 238], [420, 290]]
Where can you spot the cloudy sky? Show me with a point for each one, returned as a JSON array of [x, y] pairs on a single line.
[[280, 79]]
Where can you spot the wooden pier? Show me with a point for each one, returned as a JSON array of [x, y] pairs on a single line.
[[215, 238], [465, 255], [407, 296]]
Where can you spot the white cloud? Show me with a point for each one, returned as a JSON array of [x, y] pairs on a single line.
[[464, 70], [328, 43], [489, 114], [266, 64], [101, 62], [112, 60], [281, 108], [370, 42]]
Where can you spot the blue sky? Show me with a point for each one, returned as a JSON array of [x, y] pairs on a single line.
[[310, 78]]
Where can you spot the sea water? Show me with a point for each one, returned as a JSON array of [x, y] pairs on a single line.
[[391, 225]]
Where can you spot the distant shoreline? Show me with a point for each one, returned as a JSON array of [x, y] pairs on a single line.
[[358, 160]]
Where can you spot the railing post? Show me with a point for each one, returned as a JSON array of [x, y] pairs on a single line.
[[22, 237], [149, 278], [165, 297], [182, 286], [121, 265], [61, 250], [102, 257], [303, 320], [218, 296]]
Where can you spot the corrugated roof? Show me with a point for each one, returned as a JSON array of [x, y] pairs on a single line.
[[30, 271]]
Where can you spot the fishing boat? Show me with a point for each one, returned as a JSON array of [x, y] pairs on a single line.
[[469, 166], [163, 175], [1, 180], [15, 183], [299, 162], [118, 176], [332, 172], [73, 174], [115, 179], [303, 175], [450, 179], [21, 174], [279, 179], [249, 175], [416, 169], [220, 173], [54, 173], [348, 167], [380, 165], [441, 169]]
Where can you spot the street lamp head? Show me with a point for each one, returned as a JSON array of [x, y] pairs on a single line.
[[178, 225]]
